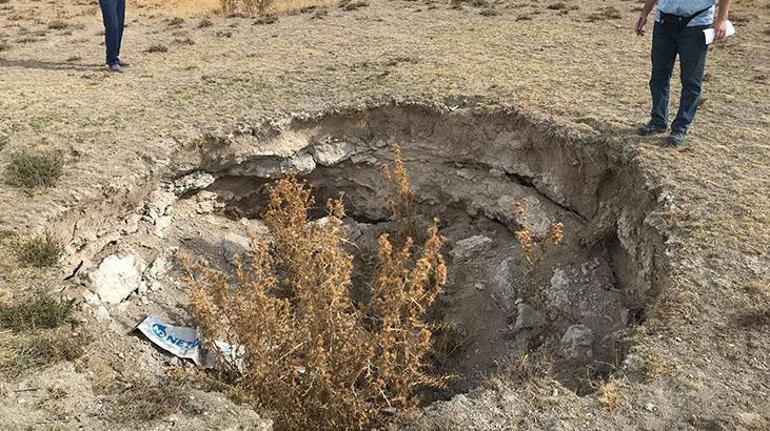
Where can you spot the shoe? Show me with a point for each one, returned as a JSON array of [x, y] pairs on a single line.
[[115, 68], [650, 129], [677, 140], [123, 63]]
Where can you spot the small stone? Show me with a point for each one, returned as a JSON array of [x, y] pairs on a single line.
[[234, 244], [116, 277], [91, 298], [158, 204], [577, 342], [102, 314], [497, 173], [470, 247], [502, 284], [331, 153], [130, 224], [479, 286], [465, 174], [194, 181], [650, 407], [527, 317]]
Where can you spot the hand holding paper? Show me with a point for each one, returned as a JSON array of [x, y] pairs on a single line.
[[710, 33]]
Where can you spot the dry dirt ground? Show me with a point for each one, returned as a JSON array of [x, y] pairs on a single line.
[[704, 346]]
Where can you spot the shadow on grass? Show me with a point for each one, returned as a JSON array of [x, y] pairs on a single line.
[[48, 65]]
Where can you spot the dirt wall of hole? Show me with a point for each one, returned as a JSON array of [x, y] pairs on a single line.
[[595, 178]]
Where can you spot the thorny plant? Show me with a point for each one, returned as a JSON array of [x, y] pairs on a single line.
[[401, 203], [535, 247], [307, 350]]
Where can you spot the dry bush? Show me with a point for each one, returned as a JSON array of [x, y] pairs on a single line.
[[307, 350], [535, 247], [401, 202]]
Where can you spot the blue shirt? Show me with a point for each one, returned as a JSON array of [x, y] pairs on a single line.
[[687, 8]]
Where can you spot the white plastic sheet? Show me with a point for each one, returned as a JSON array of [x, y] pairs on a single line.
[[181, 341]]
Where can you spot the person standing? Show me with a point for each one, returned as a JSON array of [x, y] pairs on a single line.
[[113, 15], [678, 30]]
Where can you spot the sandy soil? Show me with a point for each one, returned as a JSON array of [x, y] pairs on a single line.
[[709, 327]]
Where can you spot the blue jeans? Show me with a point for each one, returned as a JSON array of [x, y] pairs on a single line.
[[690, 45], [113, 15]]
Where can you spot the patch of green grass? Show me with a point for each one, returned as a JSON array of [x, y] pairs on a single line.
[[39, 312], [39, 252], [34, 170]]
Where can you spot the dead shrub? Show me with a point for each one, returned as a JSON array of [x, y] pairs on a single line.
[[535, 247], [307, 350]]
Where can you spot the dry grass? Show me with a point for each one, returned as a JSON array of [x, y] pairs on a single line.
[[609, 394], [183, 8], [401, 202], [20, 353], [535, 247], [39, 312], [198, 8], [33, 170], [139, 401], [308, 351], [39, 252]]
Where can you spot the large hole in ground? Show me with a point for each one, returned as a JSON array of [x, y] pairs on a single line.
[[468, 168]]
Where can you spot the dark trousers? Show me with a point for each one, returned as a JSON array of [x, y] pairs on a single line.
[[113, 14], [690, 45]]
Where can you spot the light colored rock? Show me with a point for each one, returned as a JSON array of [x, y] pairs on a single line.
[[194, 181], [158, 268], [577, 342], [130, 224], [161, 224], [331, 153], [157, 205], [527, 317], [502, 285], [274, 166], [470, 247], [91, 298], [559, 291], [102, 313], [233, 244], [116, 277]]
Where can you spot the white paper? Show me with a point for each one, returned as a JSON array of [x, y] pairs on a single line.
[[709, 32]]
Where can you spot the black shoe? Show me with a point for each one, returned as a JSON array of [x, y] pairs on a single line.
[[650, 129], [677, 140]]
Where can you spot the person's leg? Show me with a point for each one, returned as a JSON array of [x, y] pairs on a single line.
[[692, 60], [664, 49], [121, 11], [110, 18]]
